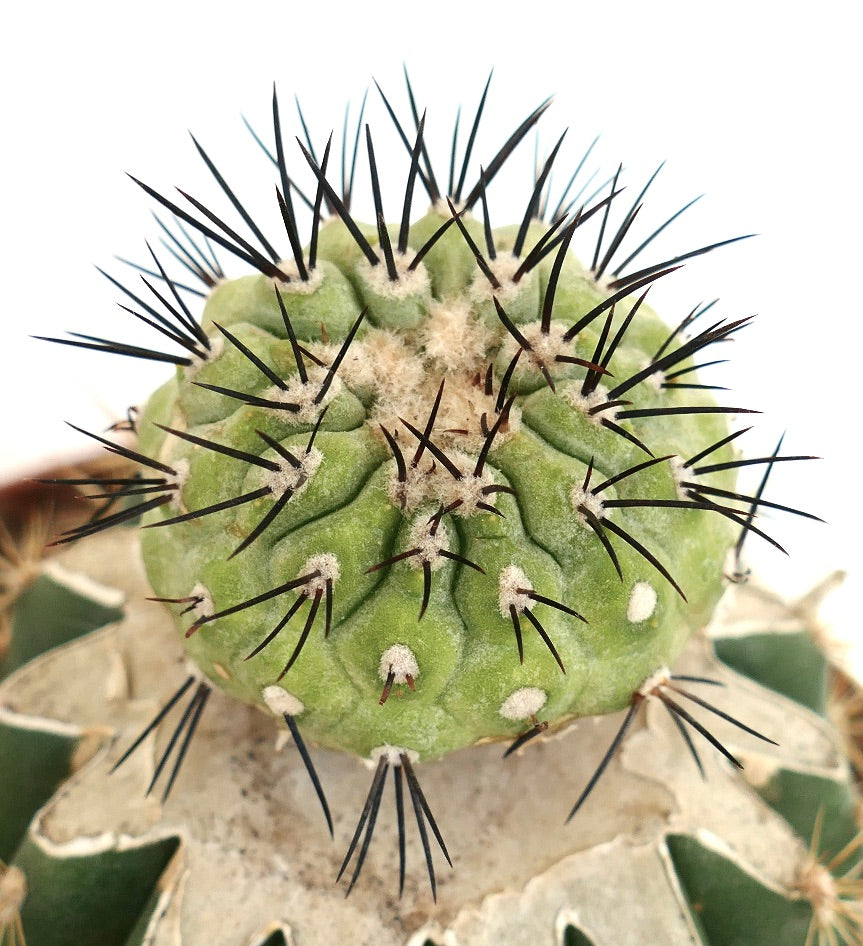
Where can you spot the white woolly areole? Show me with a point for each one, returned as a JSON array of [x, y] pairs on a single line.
[[656, 679], [503, 267], [411, 282], [203, 607], [290, 477], [400, 660], [654, 380], [523, 703], [469, 492], [382, 362], [584, 404], [469, 489], [453, 337], [392, 754], [413, 491], [178, 481], [297, 286], [441, 208], [429, 545], [428, 483], [545, 346], [279, 701], [13, 891], [510, 580], [327, 564], [583, 497], [679, 473], [217, 346], [304, 395], [642, 602]]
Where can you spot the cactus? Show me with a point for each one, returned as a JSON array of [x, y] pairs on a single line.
[[423, 488]]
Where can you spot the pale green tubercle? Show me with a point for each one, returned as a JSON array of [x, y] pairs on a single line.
[[464, 647]]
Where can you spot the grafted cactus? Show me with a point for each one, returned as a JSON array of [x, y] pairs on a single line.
[[423, 486]]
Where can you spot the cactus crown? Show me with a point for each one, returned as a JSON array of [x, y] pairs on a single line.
[[418, 486]]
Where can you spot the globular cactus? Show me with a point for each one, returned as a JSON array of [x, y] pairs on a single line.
[[419, 487]]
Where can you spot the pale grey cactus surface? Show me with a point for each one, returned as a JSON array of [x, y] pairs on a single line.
[[249, 862]]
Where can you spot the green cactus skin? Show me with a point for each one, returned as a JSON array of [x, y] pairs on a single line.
[[424, 486], [350, 507]]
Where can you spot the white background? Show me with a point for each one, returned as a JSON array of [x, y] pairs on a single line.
[[755, 105]]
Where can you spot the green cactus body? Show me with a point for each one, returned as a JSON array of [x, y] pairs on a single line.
[[345, 507]]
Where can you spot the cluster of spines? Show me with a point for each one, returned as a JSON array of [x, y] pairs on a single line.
[[518, 601], [181, 736], [658, 687], [296, 463], [369, 814], [161, 487], [180, 327], [314, 585]]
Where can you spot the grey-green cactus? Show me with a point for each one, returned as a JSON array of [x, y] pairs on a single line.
[[658, 855], [424, 486]]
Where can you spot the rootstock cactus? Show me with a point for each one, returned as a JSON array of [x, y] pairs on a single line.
[[423, 485]]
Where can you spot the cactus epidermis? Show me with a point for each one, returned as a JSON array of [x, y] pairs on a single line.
[[490, 503]]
